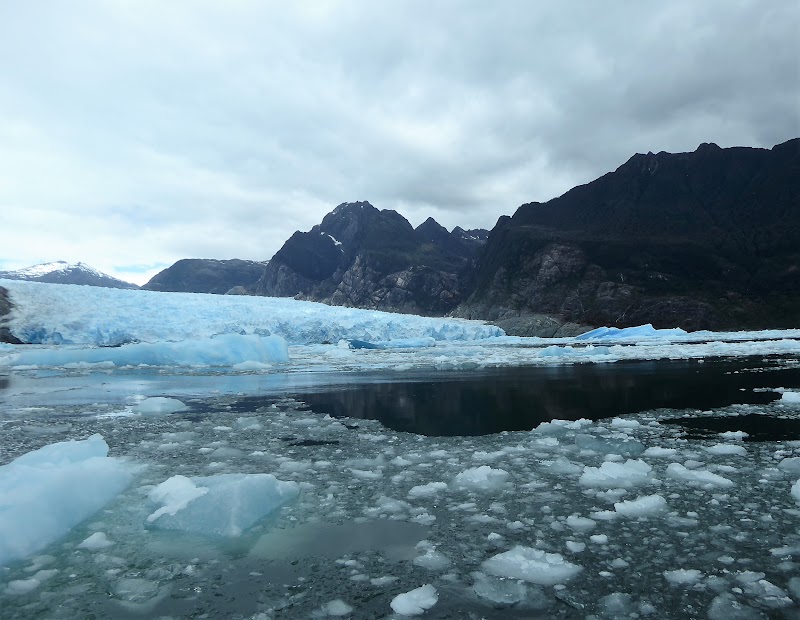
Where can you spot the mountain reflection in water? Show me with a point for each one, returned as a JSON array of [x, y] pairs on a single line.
[[498, 400]]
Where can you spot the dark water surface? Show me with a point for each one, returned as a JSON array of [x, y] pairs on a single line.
[[433, 403], [510, 399]]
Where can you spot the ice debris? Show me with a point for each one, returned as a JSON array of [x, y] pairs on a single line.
[[415, 602]]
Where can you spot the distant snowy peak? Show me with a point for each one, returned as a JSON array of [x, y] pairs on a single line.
[[62, 272]]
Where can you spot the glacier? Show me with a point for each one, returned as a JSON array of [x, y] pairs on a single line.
[[213, 492]]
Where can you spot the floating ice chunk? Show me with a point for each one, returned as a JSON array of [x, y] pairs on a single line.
[[427, 490], [483, 478], [363, 474], [532, 565], [639, 332], [571, 352], [790, 398], [645, 506], [682, 576], [796, 491], [575, 547], [726, 607], [560, 427], [415, 602], [617, 605], [98, 540], [738, 435], [580, 524], [382, 581], [159, 405], [432, 560], [726, 449], [624, 423], [22, 586], [700, 476], [615, 475], [222, 505], [47, 492], [337, 607], [658, 452], [599, 539], [563, 465], [609, 445], [791, 465]]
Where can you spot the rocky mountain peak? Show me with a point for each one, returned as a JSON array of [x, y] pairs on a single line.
[[431, 230]]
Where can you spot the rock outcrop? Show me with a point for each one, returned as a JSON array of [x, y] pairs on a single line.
[[5, 310], [701, 240], [200, 275], [361, 257]]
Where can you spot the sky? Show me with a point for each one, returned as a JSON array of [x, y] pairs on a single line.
[[137, 133]]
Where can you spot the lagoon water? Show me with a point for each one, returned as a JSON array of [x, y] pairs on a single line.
[[378, 455]]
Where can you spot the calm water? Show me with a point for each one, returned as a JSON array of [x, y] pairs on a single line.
[[443, 403], [521, 398]]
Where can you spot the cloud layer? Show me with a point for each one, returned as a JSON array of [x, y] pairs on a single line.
[[133, 134]]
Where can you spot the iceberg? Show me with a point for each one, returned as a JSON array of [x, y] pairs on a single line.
[[222, 505], [631, 333], [47, 492], [222, 350]]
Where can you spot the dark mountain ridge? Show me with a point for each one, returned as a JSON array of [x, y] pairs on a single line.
[[702, 240], [206, 275], [363, 257]]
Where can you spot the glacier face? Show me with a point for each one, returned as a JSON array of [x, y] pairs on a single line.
[[67, 314]]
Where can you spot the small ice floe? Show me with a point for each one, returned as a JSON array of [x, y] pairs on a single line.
[[159, 405], [483, 478], [96, 541], [532, 565], [426, 490], [683, 576], [415, 602], [612, 475], [702, 477], [726, 449], [645, 506], [790, 398]]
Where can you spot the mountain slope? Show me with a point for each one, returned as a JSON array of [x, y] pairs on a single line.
[[61, 272], [201, 275], [361, 257], [708, 239]]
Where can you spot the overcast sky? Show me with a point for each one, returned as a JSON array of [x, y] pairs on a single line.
[[135, 133]]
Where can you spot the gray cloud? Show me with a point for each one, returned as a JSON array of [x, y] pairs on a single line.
[[141, 133]]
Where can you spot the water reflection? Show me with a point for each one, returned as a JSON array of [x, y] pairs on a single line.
[[522, 398]]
